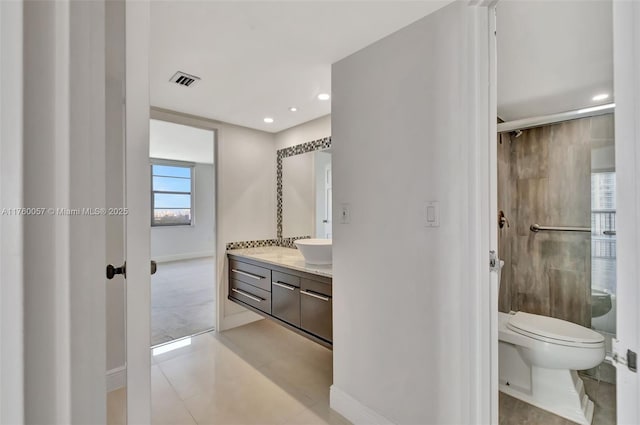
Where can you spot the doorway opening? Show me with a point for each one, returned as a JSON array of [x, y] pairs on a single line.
[[556, 212], [182, 196]]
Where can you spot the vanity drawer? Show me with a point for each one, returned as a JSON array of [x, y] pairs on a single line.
[[316, 309], [287, 279], [315, 286], [251, 295], [248, 273]]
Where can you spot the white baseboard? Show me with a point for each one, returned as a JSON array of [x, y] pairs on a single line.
[[239, 319], [186, 256], [116, 378], [353, 410]]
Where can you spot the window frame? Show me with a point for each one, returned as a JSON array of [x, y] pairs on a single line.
[[173, 163]]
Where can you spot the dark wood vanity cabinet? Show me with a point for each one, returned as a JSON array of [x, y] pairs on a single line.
[[297, 300], [251, 285], [316, 308], [285, 297]]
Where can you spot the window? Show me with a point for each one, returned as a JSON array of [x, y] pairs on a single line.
[[603, 228], [171, 197]]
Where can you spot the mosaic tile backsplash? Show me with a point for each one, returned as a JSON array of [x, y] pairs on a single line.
[[282, 242]]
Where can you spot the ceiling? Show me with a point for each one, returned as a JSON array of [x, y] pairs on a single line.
[[553, 56], [258, 58], [196, 145]]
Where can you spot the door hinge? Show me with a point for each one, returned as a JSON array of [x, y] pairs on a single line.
[[630, 359], [494, 264]]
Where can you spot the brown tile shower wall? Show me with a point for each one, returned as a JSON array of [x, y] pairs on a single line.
[[544, 177]]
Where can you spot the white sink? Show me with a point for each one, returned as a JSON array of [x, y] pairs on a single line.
[[315, 251]]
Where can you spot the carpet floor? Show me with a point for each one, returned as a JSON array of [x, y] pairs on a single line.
[[182, 299]]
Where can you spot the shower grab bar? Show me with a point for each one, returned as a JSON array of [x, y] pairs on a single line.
[[536, 228]]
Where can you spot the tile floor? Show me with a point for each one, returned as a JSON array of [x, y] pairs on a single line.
[[515, 412], [182, 299], [260, 373]]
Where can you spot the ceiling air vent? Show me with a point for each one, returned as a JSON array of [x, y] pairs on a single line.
[[184, 79]]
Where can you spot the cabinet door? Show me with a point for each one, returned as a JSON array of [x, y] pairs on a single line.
[[285, 302], [315, 309]]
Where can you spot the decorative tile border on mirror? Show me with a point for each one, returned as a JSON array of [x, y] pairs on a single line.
[[314, 145], [283, 242]]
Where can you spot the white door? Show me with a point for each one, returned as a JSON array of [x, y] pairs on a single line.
[[127, 175], [626, 16]]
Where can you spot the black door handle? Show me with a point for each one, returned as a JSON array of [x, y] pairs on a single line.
[[112, 271]]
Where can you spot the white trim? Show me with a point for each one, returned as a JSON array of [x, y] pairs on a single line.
[[353, 410], [626, 50], [239, 319], [492, 198], [116, 378], [138, 230], [186, 256], [482, 346], [11, 228]]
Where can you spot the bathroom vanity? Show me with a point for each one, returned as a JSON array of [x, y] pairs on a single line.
[[276, 283]]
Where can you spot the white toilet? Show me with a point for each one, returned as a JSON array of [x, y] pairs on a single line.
[[538, 360]]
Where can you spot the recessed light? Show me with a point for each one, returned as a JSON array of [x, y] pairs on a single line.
[[293, 109], [268, 120], [601, 96], [323, 96]]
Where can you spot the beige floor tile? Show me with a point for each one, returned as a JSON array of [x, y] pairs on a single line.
[[305, 375], [260, 373], [260, 403], [116, 407], [318, 414], [166, 406], [208, 371]]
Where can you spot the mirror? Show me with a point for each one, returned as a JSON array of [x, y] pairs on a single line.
[[306, 194]]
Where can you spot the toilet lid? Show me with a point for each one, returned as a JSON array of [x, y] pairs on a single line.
[[550, 327]]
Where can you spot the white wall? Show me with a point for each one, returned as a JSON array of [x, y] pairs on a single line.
[[306, 132], [246, 202], [181, 242], [404, 127]]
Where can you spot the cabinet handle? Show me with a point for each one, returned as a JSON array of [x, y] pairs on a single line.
[[311, 294], [282, 285], [247, 295], [252, 276]]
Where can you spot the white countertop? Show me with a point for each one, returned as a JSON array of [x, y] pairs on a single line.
[[286, 257]]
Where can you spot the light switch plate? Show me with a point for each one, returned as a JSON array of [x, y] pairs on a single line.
[[432, 214]]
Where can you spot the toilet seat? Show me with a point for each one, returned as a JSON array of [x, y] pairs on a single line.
[[554, 331]]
